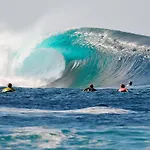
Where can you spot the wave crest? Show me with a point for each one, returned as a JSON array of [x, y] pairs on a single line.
[[78, 57]]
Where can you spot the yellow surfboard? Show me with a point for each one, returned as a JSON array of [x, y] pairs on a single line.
[[7, 89]]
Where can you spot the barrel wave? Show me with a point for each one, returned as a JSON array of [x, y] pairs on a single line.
[[78, 57]]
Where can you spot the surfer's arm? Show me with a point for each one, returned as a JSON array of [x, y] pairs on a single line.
[[86, 89], [13, 89]]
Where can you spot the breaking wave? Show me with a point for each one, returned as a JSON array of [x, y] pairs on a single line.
[[77, 57]]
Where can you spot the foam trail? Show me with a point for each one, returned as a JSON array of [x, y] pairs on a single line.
[[39, 112]]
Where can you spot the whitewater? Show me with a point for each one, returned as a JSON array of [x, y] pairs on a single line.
[[75, 58]]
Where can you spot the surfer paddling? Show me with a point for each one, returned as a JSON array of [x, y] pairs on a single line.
[[122, 88], [90, 88]]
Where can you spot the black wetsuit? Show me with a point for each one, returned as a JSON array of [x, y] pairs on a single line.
[[90, 89]]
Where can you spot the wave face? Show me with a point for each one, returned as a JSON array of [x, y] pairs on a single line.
[[78, 57]]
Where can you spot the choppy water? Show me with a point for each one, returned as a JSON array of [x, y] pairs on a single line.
[[59, 119]]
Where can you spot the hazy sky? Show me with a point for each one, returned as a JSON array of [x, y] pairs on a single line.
[[125, 15]]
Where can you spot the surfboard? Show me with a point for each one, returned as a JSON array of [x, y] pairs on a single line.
[[7, 90]]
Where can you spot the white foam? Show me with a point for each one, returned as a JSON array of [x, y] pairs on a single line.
[[15, 47], [99, 110], [39, 112], [48, 73], [45, 137]]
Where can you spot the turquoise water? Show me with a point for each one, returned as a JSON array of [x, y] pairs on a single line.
[[98, 54]]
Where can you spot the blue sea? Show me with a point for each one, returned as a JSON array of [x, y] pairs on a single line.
[[57, 118], [49, 109]]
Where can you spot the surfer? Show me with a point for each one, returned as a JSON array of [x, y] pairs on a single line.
[[90, 88], [123, 88], [130, 83], [9, 88]]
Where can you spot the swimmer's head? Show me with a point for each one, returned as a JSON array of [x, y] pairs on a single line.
[[130, 83], [122, 86], [9, 85], [91, 85]]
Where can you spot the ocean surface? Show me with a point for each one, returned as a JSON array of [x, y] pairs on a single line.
[[49, 110], [70, 119]]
